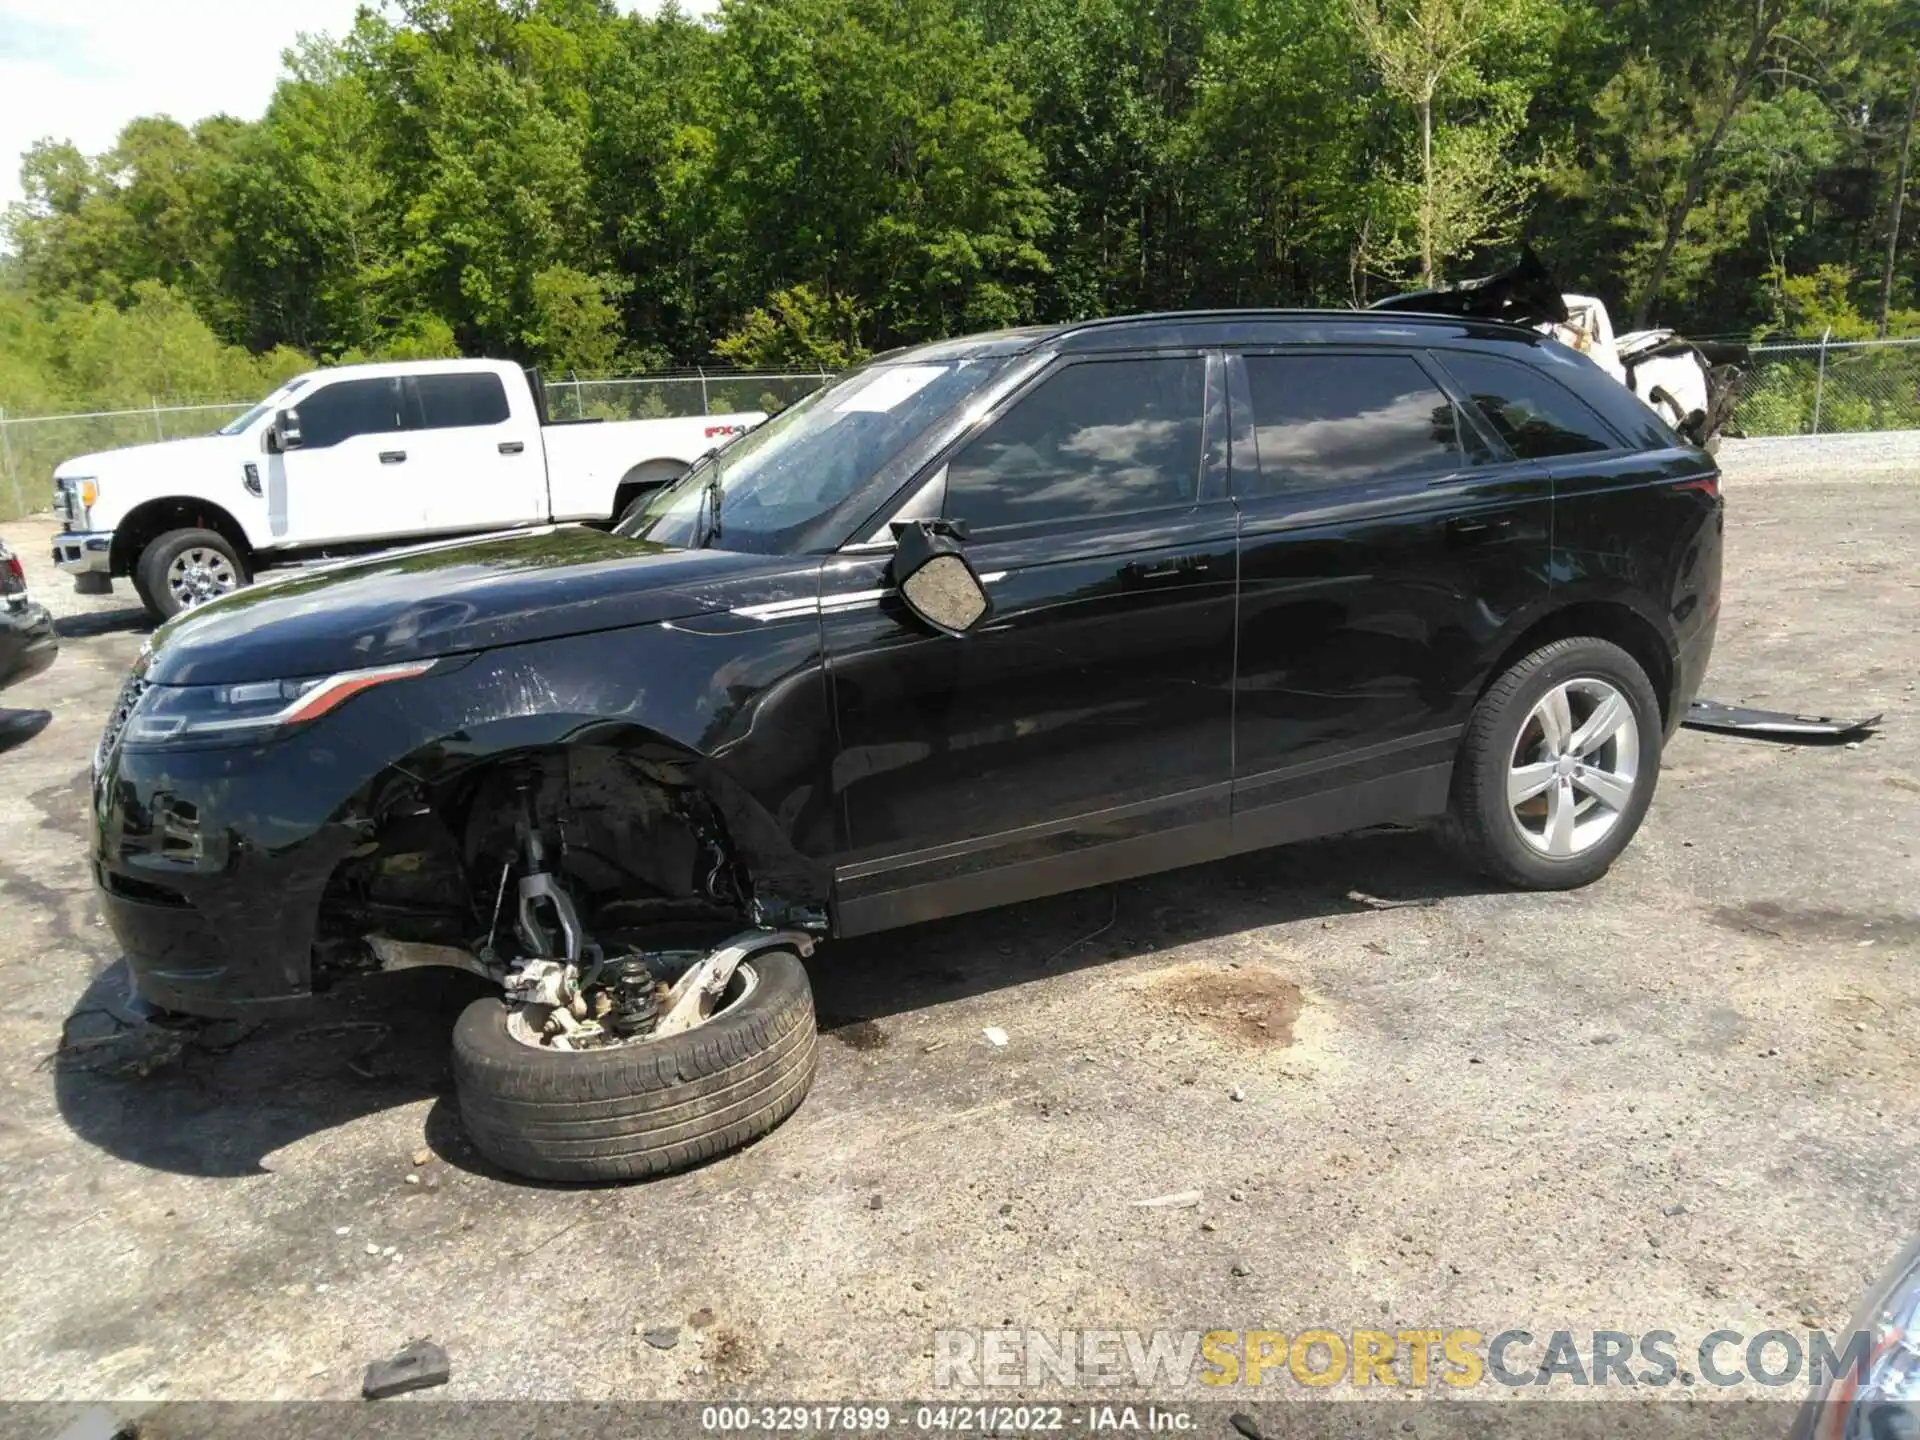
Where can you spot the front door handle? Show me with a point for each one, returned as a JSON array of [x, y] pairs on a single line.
[[392, 457], [512, 447]]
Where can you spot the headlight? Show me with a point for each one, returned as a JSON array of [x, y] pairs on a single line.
[[169, 714], [1879, 1399], [73, 496]]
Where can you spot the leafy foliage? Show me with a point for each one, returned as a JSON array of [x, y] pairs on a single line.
[[799, 329], [803, 182]]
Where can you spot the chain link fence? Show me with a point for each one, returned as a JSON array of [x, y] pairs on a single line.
[[31, 445], [1825, 387]]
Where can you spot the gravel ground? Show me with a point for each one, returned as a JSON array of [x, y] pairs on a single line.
[[1684, 1098]]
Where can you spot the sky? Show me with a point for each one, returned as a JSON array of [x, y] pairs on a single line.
[[80, 69]]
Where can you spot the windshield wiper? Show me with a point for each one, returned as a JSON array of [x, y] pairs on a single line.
[[712, 499]]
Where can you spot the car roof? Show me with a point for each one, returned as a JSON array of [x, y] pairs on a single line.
[[1219, 327]]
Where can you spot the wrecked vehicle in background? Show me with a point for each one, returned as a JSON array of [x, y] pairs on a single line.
[[1691, 385], [984, 620]]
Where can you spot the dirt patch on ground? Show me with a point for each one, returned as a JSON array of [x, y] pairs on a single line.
[[729, 1355], [860, 1035], [1765, 917], [1249, 1004]]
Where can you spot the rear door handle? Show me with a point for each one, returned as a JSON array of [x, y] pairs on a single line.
[[1476, 528], [1140, 572], [512, 447], [392, 457]]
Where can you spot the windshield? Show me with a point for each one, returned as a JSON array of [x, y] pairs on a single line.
[[241, 423], [785, 475]]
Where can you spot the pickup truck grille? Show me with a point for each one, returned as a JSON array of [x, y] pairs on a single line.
[[136, 685]]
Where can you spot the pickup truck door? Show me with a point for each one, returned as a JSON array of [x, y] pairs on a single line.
[[1084, 732], [470, 462], [339, 484]]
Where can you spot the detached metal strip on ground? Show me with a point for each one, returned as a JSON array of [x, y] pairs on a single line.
[[1720, 719]]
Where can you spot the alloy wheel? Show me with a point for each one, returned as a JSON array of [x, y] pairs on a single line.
[[199, 574], [1574, 768]]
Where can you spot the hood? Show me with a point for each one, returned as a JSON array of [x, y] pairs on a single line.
[[454, 598], [195, 450]]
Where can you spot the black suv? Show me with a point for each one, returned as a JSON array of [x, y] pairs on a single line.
[[982, 620]]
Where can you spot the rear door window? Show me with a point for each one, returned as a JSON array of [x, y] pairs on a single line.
[[456, 402], [1537, 416], [1096, 439], [1339, 418], [347, 408]]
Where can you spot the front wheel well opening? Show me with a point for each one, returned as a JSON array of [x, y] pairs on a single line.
[[148, 522], [1618, 624], [637, 842]]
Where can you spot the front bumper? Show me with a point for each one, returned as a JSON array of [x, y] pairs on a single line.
[[210, 886], [84, 552]]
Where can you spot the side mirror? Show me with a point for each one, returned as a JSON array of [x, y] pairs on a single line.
[[284, 433], [935, 579]]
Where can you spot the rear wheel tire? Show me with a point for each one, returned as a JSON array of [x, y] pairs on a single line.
[[186, 568], [631, 1111], [1557, 767]]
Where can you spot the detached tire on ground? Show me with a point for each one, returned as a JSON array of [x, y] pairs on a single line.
[[184, 568], [1557, 767], [630, 1111]]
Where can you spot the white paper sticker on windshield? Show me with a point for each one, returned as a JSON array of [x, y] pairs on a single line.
[[887, 388]]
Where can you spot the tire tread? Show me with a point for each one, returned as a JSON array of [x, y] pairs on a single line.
[[644, 1110]]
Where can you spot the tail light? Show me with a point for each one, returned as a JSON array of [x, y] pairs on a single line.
[[15, 570], [1708, 485]]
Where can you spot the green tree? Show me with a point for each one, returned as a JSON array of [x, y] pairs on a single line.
[[1467, 185], [873, 147], [797, 329], [575, 325], [312, 259], [1278, 129]]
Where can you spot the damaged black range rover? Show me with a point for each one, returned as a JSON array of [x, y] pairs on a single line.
[[983, 620]]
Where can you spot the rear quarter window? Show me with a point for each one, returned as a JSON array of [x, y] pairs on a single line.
[[1537, 416]]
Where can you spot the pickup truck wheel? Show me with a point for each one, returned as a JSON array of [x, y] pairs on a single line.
[[1557, 767], [185, 568], [625, 1112]]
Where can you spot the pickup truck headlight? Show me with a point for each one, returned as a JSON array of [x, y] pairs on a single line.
[[256, 709], [73, 497]]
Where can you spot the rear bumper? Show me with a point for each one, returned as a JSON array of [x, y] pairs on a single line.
[[1690, 671], [27, 641], [84, 552]]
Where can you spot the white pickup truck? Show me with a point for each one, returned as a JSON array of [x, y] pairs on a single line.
[[359, 458]]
